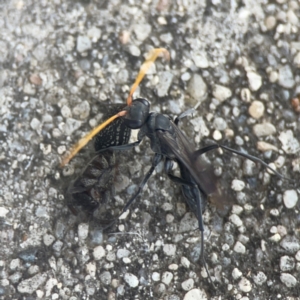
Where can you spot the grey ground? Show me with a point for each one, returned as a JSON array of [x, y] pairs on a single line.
[[62, 60]]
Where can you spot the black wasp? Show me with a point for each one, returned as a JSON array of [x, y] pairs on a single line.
[[168, 142]]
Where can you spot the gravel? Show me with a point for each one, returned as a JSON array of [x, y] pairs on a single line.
[[237, 64]]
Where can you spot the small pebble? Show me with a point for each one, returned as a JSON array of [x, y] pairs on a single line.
[[264, 129], [122, 253], [91, 269], [236, 273], [185, 262], [99, 252], [239, 248], [35, 124], [236, 209], [290, 198], [288, 279], [167, 277], [255, 80], [3, 212], [290, 243], [256, 109], [287, 263], [237, 185], [260, 278], [245, 285], [236, 220], [264, 146], [221, 93], [290, 144], [48, 239], [187, 284], [275, 238], [134, 50], [83, 44], [66, 112], [105, 277], [200, 60], [197, 88], [155, 276], [195, 294], [286, 77], [71, 126], [131, 280], [83, 231], [270, 22], [142, 31], [169, 249], [30, 285], [165, 81]]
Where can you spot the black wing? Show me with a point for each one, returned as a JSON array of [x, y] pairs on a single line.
[[180, 148], [116, 133]]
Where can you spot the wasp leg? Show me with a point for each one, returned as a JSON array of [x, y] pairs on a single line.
[[156, 160], [195, 201], [184, 114], [121, 147], [248, 156]]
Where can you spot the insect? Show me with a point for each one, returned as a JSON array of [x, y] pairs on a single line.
[[169, 144], [94, 186]]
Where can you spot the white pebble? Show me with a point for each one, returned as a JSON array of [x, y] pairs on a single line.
[[287, 263], [236, 273], [264, 129], [98, 252], [155, 276], [260, 278], [188, 284], [167, 278], [263, 146], [297, 256], [221, 92], [288, 279], [123, 253], [255, 80], [290, 198], [83, 43], [245, 285], [275, 238], [290, 144], [91, 269], [217, 135], [286, 77], [185, 262], [3, 212], [256, 109], [131, 280], [169, 249], [195, 294], [83, 231], [237, 185], [236, 220], [239, 248]]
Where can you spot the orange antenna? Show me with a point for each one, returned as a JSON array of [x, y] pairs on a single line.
[[83, 141], [150, 59]]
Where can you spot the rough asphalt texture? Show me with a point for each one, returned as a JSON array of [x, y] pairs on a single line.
[[237, 62]]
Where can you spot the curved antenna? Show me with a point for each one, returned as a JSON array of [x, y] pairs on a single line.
[[150, 59], [83, 141]]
